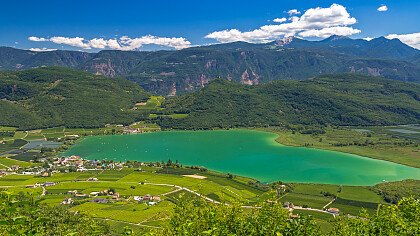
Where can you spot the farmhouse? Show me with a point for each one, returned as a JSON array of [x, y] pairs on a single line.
[[333, 210], [138, 198], [67, 201]]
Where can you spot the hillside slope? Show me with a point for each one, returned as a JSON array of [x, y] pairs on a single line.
[[336, 100], [55, 96]]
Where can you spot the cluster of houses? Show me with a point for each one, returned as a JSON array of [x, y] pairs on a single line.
[[76, 194], [150, 200], [69, 161]]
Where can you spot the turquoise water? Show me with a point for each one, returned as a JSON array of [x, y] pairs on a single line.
[[244, 152]]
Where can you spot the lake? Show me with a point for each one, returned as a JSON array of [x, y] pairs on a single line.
[[248, 153]]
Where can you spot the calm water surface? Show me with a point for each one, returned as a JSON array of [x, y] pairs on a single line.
[[244, 152]]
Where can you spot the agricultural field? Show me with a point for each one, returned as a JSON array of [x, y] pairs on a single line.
[[128, 183], [153, 103], [7, 163], [170, 184], [383, 143]]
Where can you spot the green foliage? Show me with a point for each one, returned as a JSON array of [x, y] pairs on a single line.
[[201, 218], [22, 215], [401, 219], [51, 97], [393, 192], [334, 100]]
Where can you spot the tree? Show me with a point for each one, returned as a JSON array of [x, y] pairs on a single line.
[[22, 215], [197, 217], [400, 219]]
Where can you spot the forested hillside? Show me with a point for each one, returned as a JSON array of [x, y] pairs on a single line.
[[336, 100], [50, 97]]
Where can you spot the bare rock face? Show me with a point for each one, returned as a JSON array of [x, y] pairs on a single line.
[[245, 78], [210, 64], [105, 69], [172, 91], [250, 79], [373, 71], [203, 80], [256, 79]]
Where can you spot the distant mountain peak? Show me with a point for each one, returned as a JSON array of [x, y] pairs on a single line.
[[335, 38], [284, 41]]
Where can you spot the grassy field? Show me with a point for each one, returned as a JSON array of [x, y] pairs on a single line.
[[153, 103], [349, 199], [375, 142]]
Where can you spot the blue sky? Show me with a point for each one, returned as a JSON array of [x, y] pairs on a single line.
[[179, 24]]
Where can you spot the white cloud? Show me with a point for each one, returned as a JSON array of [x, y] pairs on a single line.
[[412, 40], [293, 12], [98, 43], [315, 22], [36, 39], [383, 8], [327, 32], [123, 43], [75, 42], [368, 38], [280, 20], [42, 49]]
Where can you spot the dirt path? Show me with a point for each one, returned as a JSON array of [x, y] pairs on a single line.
[[325, 207], [130, 223]]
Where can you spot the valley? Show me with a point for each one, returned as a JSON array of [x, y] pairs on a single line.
[[211, 118]]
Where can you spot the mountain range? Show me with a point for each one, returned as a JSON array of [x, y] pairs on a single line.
[[177, 72], [59, 96]]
